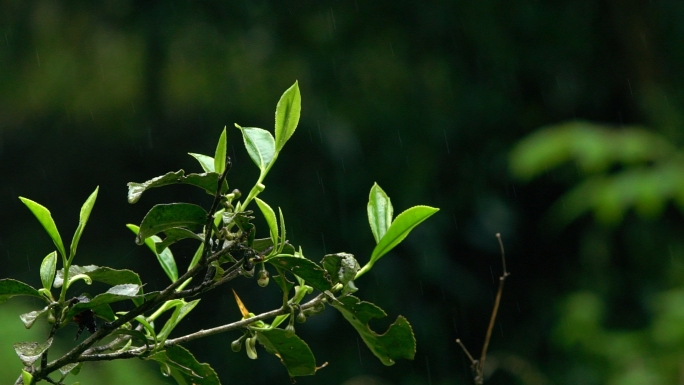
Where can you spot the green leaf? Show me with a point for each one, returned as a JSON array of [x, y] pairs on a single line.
[[82, 220], [380, 212], [26, 377], [397, 342], [30, 318], [167, 216], [262, 244], [207, 181], [313, 274], [165, 258], [182, 309], [103, 274], [398, 230], [47, 270], [270, 217], [184, 367], [293, 352], [114, 294], [287, 115], [69, 368], [260, 146], [133, 333], [342, 268], [283, 233], [29, 352], [205, 161], [10, 287], [220, 155], [45, 218], [174, 235]]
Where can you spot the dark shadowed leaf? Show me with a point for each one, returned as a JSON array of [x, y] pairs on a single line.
[[174, 235], [313, 274], [10, 287], [184, 367], [397, 342], [167, 216], [207, 181], [293, 352], [114, 294]]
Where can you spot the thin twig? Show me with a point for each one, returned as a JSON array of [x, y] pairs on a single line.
[[478, 365]]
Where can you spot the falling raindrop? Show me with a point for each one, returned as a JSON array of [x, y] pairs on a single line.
[[427, 367], [447, 142], [400, 142]]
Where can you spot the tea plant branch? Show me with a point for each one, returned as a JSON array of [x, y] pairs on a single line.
[[477, 366], [92, 355]]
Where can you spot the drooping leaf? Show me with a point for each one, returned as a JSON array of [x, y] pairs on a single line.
[[380, 212], [82, 220], [293, 352], [45, 218], [69, 368], [397, 342], [140, 336], [174, 235], [30, 318], [165, 258], [47, 270], [29, 352], [287, 115], [270, 217], [260, 146], [205, 161], [114, 294], [184, 367], [207, 181], [11, 287], [313, 274], [241, 306], [167, 216], [220, 154], [399, 229]]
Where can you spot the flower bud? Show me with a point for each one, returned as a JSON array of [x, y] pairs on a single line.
[[301, 318], [263, 279], [236, 345]]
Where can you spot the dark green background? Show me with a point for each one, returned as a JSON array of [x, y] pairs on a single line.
[[426, 99]]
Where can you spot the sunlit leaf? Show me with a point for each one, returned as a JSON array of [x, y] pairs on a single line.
[[10, 287], [220, 155], [380, 212], [45, 218], [293, 352], [167, 216], [47, 270], [397, 342], [182, 309], [398, 230], [260, 146], [165, 258], [270, 217], [205, 161], [82, 220], [287, 115]]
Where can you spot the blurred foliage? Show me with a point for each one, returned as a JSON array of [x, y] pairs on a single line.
[[622, 168], [110, 373], [432, 96]]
